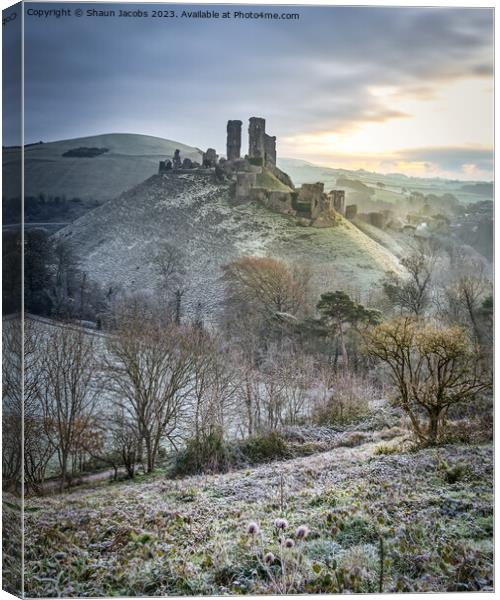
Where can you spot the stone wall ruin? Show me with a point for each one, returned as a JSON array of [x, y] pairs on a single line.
[[256, 138], [233, 147], [256, 178]]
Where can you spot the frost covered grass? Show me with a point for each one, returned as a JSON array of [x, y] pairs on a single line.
[[391, 522], [193, 213]]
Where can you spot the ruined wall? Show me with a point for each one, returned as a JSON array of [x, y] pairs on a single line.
[[210, 158], [233, 148], [176, 160], [309, 198], [338, 200], [311, 191], [280, 202], [177, 164], [351, 210], [233, 167], [244, 184], [270, 148], [256, 138]]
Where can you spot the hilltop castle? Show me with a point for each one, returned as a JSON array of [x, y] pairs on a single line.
[[257, 178]]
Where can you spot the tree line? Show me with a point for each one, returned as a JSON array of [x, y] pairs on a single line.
[[156, 381]]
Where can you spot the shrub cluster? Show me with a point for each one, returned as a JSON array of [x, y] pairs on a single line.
[[85, 152], [213, 454]]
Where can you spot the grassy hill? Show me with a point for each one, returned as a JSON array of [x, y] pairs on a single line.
[[118, 240], [163, 537], [129, 160]]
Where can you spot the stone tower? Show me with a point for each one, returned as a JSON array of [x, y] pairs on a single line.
[[256, 138], [233, 140], [338, 200], [270, 146]]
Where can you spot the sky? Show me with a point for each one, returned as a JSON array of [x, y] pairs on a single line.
[[385, 89]]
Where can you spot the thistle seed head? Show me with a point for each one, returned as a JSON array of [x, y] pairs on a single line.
[[302, 532], [253, 528], [281, 523]]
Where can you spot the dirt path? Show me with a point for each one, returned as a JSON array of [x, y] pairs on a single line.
[[53, 485]]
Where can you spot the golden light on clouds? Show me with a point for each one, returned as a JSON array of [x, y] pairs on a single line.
[[455, 114]]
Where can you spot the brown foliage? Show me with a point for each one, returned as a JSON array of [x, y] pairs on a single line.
[[265, 286]]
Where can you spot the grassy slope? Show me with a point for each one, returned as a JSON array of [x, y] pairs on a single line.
[[267, 180], [399, 244], [118, 240], [131, 159], [163, 537]]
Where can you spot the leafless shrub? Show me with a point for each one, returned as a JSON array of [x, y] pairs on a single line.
[[342, 397]]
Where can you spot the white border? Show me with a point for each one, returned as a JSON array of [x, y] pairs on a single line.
[[440, 3]]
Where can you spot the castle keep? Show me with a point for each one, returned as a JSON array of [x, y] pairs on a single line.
[[257, 178]]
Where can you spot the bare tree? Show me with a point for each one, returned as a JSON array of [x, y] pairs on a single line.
[[124, 441], [38, 449], [36, 445], [341, 397], [214, 387], [88, 442], [462, 298], [258, 289], [296, 370], [170, 269], [411, 294], [248, 393], [271, 395], [65, 268], [432, 368], [119, 442], [12, 404], [149, 369], [214, 383], [66, 389], [277, 392]]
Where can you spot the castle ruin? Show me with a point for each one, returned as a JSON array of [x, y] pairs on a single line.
[[257, 178], [233, 148]]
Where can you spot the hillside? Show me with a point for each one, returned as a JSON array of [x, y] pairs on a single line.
[[129, 160], [394, 185], [118, 240], [188, 537]]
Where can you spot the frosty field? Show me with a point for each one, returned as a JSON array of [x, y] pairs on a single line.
[[429, 512]]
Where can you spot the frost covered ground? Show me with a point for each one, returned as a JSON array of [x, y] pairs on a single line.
[[117, 241], [378, 518]]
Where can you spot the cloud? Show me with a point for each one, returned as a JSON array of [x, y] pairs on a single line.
[[183, 79], [468, 160], [454, 162]]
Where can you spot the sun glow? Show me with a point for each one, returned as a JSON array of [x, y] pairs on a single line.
[[453, 114]]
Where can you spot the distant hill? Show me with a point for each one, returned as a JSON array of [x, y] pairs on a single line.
[[128, 160], [395, 185], [483, 189], [124, 160], [118, 240]]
